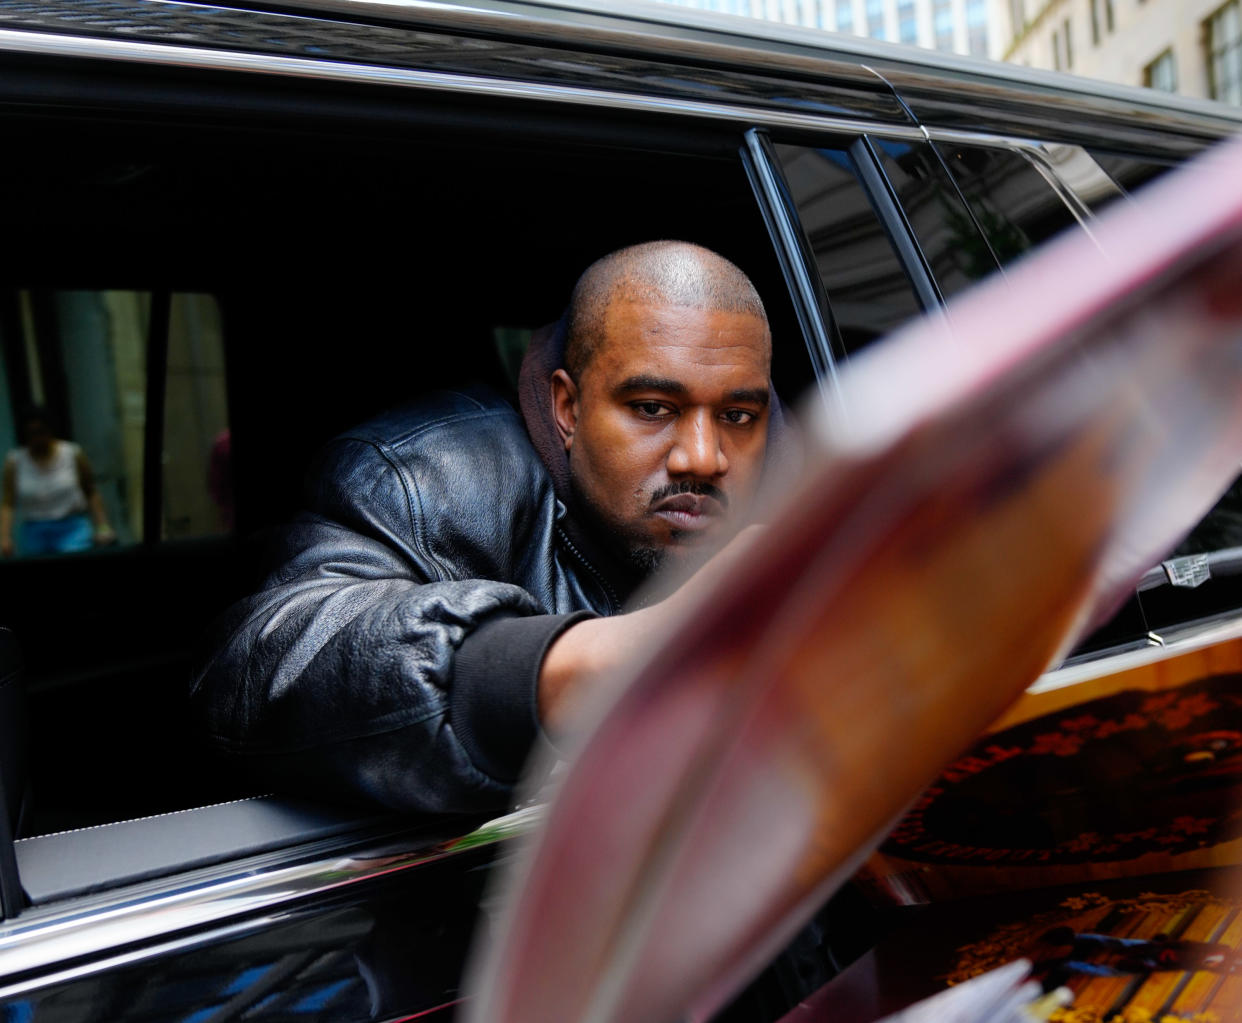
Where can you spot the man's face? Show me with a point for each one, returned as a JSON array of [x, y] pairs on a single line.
[[667, 426]]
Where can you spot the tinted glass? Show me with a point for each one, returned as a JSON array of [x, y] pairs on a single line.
[[951, 244], [73, 421], [197, 456], [1131, 172], [74, 409], [867, 287], [1014, 205]]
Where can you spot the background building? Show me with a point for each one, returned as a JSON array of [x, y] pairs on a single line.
[[959, 26], [1193, 47]]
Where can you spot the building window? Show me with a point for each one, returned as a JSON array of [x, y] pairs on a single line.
[[1069, 46], [942, 24], [1056, 51], [845, 15], [875, 19], [907, 22], [977, 27], [1095, 22], [1161, 73], [1108, 15], [1224, 43]]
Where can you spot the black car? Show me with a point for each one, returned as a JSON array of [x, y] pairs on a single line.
[[232, 231]]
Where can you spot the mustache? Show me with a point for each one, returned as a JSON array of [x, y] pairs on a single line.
[[699, 488]]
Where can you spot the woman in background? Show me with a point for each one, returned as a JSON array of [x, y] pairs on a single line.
[[49, 485]]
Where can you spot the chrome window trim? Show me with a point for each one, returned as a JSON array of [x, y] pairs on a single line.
[[183, 911], [1044, 153], [744, 116], [202, 59], [690, 32], [1173, 642]]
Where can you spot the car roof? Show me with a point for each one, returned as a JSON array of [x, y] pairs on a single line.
[[650, 56], [675, 30]]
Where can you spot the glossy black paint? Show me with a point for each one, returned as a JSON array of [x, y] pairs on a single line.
[[841, 89], [386, 950]]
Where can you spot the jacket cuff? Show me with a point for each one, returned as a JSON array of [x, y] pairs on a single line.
[[493, 700]]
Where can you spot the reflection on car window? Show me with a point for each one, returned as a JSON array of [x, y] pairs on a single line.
[[955, 251], [197, 456], [1130, 172], [1014, 205], [73, 411], [73, 420], [866, 284]]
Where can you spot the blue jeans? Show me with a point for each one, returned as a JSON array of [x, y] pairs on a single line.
[[55, 536]]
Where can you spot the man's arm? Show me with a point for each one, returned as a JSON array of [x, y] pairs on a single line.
[[365, 666], [588, 653]]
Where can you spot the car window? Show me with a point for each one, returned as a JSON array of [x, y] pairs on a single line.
[[75, 370], [1129, 171], [875, 213], [1014, 205], [955, 251], [867, 287], [197, 450]]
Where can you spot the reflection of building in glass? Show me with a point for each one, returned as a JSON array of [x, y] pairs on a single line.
[[959, 26], [83, 356], [1193, 47]]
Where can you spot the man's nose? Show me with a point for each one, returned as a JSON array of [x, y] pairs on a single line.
[[697, 450]]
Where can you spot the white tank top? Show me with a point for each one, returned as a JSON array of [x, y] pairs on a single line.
[[50, 491]]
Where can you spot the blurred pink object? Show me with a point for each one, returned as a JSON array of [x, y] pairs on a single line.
[[1002, 477]]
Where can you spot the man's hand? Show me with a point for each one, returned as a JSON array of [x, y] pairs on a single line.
[[587, 653]]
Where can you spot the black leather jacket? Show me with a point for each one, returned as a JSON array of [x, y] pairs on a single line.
[[393, 652]]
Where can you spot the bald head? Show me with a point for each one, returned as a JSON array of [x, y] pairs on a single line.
[[663, 273]]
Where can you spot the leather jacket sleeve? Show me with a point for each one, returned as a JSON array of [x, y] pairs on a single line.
[[377, 661]]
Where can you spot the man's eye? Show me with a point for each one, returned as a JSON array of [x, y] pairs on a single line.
[[650, 409], [739, 416]]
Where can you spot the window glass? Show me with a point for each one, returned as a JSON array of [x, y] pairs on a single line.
[[73, 420], [1224, 44], [1013, 203], [951, 244], [942, 24], [1161, 73], [866, 285], [197, 456], [875, 18], [977, 27], [845, 15], [907, 22], [1128, 171], [74, 408]]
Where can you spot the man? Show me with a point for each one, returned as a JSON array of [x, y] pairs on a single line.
[[458, 579]]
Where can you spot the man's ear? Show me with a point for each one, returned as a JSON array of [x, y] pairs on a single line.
[[565, 406]]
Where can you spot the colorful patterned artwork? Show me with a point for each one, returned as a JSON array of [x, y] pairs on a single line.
[[1123, 774]]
